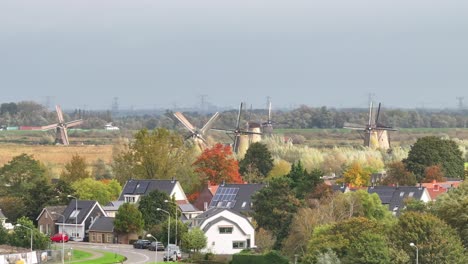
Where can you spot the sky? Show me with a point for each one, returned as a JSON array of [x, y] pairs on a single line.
[[175, 53]]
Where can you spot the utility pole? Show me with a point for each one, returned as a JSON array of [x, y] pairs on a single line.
[[203, 102]]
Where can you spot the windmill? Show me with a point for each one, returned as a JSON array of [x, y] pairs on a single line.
[[61, 134], [240, 137], [197, 134], [267, 127], [375, 134]]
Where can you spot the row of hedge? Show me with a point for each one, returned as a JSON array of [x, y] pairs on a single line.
[[271, 257]]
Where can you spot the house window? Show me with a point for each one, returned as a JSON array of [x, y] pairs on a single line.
[[93, 237], [41, 229], [74, 214], [109, 238], [131, 198], [99, 238], [244, 204], [402, 193], [238, 244], [225, 229], [411, 194]]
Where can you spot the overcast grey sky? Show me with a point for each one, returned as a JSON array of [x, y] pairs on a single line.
[[152, 53]]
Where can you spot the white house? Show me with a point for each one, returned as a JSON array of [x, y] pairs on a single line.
[[227, 231], [134, 189]]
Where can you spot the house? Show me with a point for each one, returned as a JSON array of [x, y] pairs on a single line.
[[237, 197], [205, 196], [394, 197], [3, 218], [188, 211], [135, 189], [227, 231], [79, 215], [102, 230], [437, 188], [48, 217], [112, 207]]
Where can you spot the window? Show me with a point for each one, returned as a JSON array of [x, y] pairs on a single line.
[[402, 193], [238, 244], [411, 194], [93, 237], [131, 198], [244, 204], [225, 229], [109, 238], [41, 229], [74, 214]]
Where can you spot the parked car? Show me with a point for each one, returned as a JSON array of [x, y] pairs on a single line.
[[156, 246], [59, 237], [141, 243], [172, 253]]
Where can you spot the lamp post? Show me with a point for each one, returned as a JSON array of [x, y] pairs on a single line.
[[155, 248], [417, 252], [76, 216], [20, 225], [63, 240], [176, 213], [168, 228]]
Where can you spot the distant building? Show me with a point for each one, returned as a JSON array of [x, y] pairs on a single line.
[[102, 230], [394, 197], [133, 190], [111, 127], [47, 219]]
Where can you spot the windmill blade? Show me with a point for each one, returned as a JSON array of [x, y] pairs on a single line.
[[378, 114], [210, 123], [65, 139], [385, 128], [74, 123], [59, 114], [223, 130], [239, 117], [49, 127], [269, 112], [370, 114], [184, 121], [249, 133]]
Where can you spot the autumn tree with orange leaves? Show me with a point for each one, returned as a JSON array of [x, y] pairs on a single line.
[[217, 164]]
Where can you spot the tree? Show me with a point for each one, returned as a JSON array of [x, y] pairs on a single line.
[[128, 219], [257, 158], [194, 240], [436, 241], [103, 192], [101, 170], [397, 174], [280, 168], [356, 175], [328, 257], [429, 151], [22, 235], [161, 230], [265, 240], [75, 170], [356, 240], [433, 173], [216, 165], [274, 207], [148, 207], [452, 207], [156, 154], [26, 178]]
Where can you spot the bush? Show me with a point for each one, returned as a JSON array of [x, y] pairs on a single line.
[[272, 257]]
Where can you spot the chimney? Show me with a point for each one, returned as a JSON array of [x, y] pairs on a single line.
[[224, 182], [173, 180], [420, 186], [436, 187]]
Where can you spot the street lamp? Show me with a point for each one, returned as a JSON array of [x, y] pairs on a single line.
[[176, 213], [155, 247], [417, 252], [168, 228], [63, 240], [76, 216], [20, 225]]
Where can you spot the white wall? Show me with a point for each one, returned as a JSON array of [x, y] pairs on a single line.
[[222, 243]]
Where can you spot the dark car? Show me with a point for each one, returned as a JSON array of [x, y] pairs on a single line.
[[141, 243], [156, 246]]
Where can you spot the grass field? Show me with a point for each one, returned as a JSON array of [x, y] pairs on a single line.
[[55, 157]]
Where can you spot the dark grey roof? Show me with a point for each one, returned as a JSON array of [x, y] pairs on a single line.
[[243, 199], [2, 216], [103, 224], [394, 196], [199, 219], [84, 206], [188, 208], [143, 187], [339, 188]]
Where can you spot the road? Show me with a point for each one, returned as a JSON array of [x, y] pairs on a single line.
[[134, 256]]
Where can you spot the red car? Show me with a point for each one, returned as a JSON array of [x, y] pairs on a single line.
[[58, 237]]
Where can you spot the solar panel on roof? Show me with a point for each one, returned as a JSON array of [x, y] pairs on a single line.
[[130, 187], [141, 187]]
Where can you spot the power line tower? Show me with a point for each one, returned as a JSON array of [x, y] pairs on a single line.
[[203, 102], [115, 106], [460, 102]]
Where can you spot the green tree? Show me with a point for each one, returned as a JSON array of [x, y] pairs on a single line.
[[257, 158], [452, 207], [194, 240], [162, 230], [75, 170], [128, 219], [90, 189], [153, 154], [303, 182], [26, 178], [437, 242], [429, 151], [356, 240], [328, 257], [397, 174], [274, 207], [148, 207], [22, 235]]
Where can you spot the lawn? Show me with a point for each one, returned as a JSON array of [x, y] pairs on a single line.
[[107, 258]]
